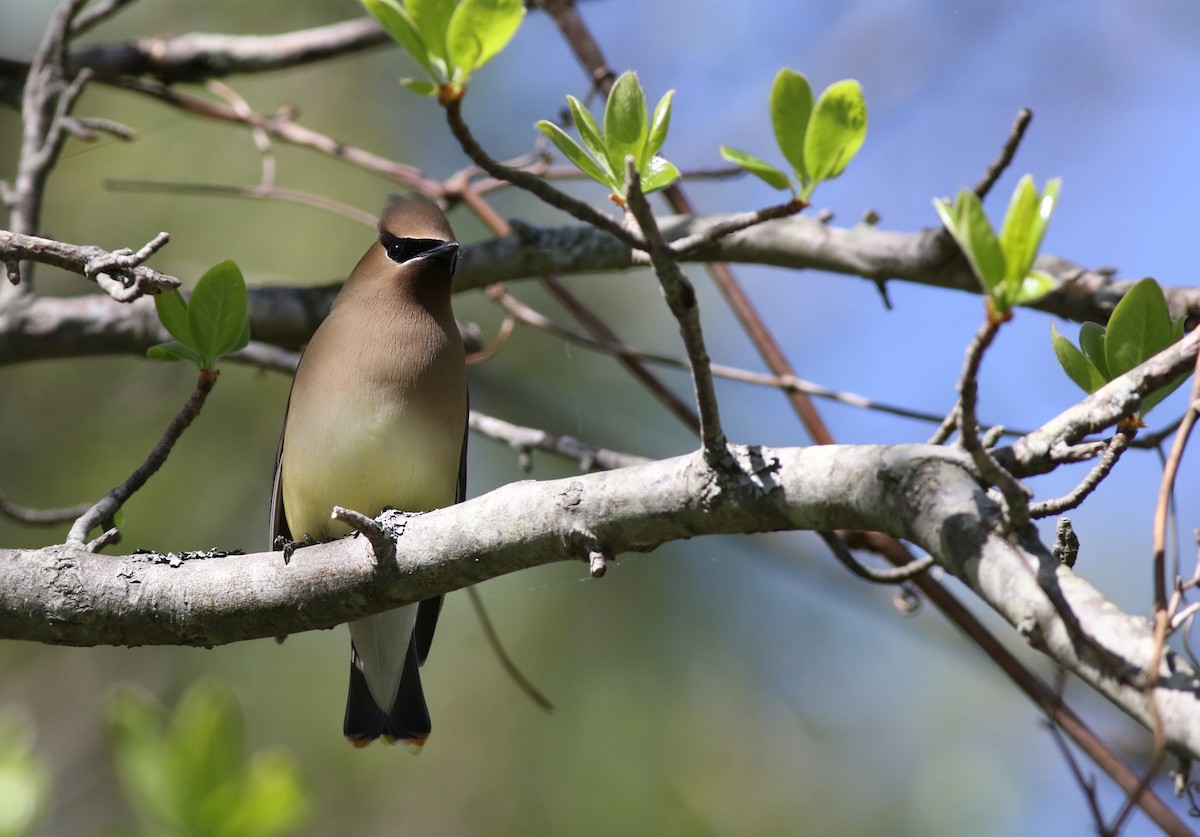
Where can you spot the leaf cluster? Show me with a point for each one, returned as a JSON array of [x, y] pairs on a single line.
[[1140, 327], [212, 323], [818, 139], [189, 774], [1004, 263], [450, 40], [628, 132]]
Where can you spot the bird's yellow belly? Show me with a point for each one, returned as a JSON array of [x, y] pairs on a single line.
[[376, 456]]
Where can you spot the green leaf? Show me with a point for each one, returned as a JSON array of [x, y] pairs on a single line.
[[402, 29], [573, 152], [1033, 287], [479, 29], [172, 313], [660, 123], [217, 310], [835, 132], [420, 86], [970, 228], [1158, 395], [1025, 225], [1018, 227], [175, 350], [1139, 328], [431, 18], [757, 167], [791, 108], [625, 130], [658, 174], [589, 132], [1078, 368], [1091, 341]]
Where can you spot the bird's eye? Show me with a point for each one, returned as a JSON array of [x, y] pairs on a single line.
[[401, 250]]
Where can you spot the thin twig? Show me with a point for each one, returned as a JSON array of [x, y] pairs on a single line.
[[1086, 784], [97, 15], [40, 517], [102, 512], [1016, 494], [45, 107], [119, 272], [681, 298], [506, 662], [895, 575], [526, 439], [281, 126], [1116, 446], [729, 226], [1007, 152], [262, 192], [532, 183], [382, 545], [526, 315], [1167, 488]]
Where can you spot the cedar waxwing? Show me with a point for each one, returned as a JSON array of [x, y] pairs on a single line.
[[377, 419]]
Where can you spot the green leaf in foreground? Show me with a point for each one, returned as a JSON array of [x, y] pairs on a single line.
[[397, 23], [625, 129], [835, 131], [217, 310], [791, 107], [574, 152], [1075, 363], [478, 30], [970, 228], [1139, 328], [758, 167]]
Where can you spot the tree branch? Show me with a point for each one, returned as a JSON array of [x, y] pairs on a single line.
[[120, 273], [928, 495]]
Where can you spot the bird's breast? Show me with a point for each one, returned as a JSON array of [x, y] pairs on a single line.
[[377, 424]]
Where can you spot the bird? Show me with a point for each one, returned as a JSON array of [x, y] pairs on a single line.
[[377, 419]]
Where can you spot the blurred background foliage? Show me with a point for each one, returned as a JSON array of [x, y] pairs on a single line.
[[724, 686]]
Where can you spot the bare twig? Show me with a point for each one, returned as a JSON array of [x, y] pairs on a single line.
[[736, 223], [1016, 494], [526, 315], [200, 56], [96, 15], [896, 575], [382, 546], [1112, 452], [526, 439], [263, 192], [40, 517], [506, 662], [997, 166], [120, 273], [49, 95], [102, 512], [681, 298], [1167, 488], [281, 126]]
